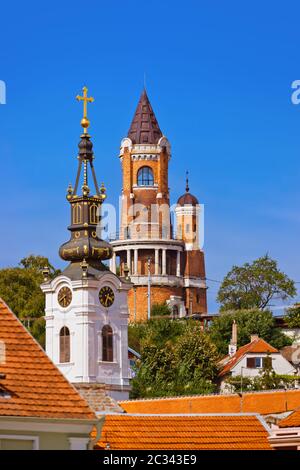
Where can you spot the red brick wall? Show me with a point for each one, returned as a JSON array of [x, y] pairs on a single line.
[[158, 296]]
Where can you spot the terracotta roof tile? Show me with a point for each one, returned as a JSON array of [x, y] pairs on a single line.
[[292, 421], [256, 346], [34, 385], [269, 402], [192, 432]]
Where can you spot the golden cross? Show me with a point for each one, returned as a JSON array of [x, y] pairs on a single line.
[[84, 121]]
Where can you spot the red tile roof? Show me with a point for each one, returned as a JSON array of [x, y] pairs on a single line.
[[33, 386], [190, 432], [257, 346], [265, 403], [292, 421]]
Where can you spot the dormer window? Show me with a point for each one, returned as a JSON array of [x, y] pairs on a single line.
[[93, 214], [145, 176], [77, 217]]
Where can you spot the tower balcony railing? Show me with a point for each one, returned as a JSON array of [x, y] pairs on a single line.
[[143, 235]]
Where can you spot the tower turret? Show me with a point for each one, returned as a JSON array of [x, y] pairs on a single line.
[[85, 242]]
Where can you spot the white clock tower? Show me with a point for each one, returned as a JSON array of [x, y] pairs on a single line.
[[86, 306]]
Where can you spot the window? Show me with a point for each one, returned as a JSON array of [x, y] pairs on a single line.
[[107, 344], [145, 176], [18, 442], [93, 214], [64, 346], [254, 362], [77, 219], [187, 228]]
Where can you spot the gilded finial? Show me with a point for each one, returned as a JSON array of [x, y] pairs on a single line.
[[84, 266], [70, 192], [85, 190], [102, 191], [84, 121], [187, 188]]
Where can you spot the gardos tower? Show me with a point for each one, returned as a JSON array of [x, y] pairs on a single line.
[[156, 258], [86, 306]]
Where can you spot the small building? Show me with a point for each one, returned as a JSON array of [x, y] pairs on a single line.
[[39, 408], [249, 360], [286, 435]]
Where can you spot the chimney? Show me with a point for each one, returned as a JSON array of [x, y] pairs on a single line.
[[253, 338], [232, 348]]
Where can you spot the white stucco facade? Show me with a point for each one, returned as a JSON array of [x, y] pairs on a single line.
[[280, 365], [85, 318]]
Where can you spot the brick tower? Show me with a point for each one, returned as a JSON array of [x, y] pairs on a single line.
[[170, 267]]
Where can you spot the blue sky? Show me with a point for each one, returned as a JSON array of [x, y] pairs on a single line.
[[219, 77]]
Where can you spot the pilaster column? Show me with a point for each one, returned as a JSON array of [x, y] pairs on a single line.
[[112, 263], [129, 260], [164, 262], [136, 261], [178, 264], [156, 261]]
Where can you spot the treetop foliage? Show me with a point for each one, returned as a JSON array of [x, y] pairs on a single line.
[[254, 285]]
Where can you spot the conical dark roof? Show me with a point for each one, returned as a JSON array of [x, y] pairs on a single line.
[[144, 128]]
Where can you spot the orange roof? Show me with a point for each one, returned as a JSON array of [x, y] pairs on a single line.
[[270, 402], [31, 385], [292, 421], [257, 346], [191, 432]]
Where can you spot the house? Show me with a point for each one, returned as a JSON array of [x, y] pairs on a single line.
[[286, 435], [249, 360], [184, 432], [39, 408]]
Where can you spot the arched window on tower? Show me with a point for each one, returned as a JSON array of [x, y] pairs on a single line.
[[107, 344], [93, 214], [145, 176], [64, 345], [77, 217]]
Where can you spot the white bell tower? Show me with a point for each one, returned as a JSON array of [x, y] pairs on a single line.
[[87, 340], [86, 306]]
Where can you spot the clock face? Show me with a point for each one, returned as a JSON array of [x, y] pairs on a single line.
[[106, 296], [64, 297]]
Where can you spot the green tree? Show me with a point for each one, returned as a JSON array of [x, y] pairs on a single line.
[[177, 359], [249, 322], [254, 285], [292, 316], [20, 289], [160, 310]]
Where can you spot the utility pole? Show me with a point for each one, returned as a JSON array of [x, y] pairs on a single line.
[[134, 303], [149, 288]]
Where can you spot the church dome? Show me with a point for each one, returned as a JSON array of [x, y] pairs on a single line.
[[187, 198]]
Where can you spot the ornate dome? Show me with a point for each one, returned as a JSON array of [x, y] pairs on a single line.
[[187, 199]]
